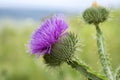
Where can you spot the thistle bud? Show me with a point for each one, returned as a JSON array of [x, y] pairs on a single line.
[[95, 14], [62, 51]]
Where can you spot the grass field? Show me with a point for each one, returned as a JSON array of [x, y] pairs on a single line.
[[17, 64]]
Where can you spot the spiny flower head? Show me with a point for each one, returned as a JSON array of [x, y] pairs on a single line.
[[95, 14], [47, 34], [62, 51]]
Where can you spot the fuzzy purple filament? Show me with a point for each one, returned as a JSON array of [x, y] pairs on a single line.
[[47, 34]]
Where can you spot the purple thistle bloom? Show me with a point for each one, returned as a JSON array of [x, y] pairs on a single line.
[[47, 34]]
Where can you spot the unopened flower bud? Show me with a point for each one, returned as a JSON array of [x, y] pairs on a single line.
[[95, 14]]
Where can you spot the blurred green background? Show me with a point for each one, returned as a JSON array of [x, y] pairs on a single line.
[[17, 64]]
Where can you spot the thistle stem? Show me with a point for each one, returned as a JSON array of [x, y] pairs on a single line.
[[61, 74], [85, 71], [102, 54]]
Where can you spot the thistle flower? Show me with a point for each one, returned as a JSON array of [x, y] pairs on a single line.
[[47, 34], [95, 14], [50, 40]]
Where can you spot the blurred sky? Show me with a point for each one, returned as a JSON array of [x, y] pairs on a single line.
[[56, 4], [36, 9]]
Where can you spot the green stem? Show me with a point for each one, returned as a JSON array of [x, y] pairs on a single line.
[[117, 74], [61, 74], [102, 54], [85, 71]]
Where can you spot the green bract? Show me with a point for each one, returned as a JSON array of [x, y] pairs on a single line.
[[95, 14], [62, 51]]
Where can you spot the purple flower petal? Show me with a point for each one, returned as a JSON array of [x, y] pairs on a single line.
[[47, 34]]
